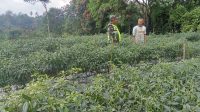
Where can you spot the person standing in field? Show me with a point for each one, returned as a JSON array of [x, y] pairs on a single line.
[[139, 32], [113, 32]]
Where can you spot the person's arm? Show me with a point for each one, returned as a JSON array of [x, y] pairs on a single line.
[[145, 35], [109, 31], [134, 34]]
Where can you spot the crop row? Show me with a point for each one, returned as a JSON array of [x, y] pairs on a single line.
[[159, 88], [21, 58]]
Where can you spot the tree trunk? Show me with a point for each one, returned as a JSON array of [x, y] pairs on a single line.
[[48, 28]]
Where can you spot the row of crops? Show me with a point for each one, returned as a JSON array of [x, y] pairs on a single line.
[[150, 78], [24, 57], [165, 87]]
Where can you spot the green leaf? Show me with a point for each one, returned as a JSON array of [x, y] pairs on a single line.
[[25, 107], [167, 108], [26, 97]]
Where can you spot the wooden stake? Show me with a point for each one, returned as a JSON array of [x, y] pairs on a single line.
[[184, 50]]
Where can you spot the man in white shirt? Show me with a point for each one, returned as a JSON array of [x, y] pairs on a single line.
[[139, 32]]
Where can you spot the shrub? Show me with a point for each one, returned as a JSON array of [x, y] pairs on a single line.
[[193, 37], [161, 87], [23, 57]]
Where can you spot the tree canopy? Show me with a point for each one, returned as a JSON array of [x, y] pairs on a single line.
[[86, 17]]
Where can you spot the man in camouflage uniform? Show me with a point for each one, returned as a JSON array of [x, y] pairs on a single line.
[[114, 35]]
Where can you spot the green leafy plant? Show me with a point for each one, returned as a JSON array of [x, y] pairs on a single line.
[[162, 87], [23, 57], [194, 37]]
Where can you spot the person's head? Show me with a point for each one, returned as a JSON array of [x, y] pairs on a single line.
[[140, 22], [113, 19]]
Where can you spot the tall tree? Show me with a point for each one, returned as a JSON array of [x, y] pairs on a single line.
[[78, 19], [44, 3], [155, 13], [72, 18], [101, 10], [191, 20], [56, 21]]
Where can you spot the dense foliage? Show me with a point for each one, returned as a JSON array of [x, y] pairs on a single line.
[[65, 73], [161, 16], [15, 25], [101, 11], [191, 20], [23, 57], [161, 87], [86, 17]]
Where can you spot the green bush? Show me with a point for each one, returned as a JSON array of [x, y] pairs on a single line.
[[14, 34], [22, 57], [190, 20], [193, 37], [157, 88]]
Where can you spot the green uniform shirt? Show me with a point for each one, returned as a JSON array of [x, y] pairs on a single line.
[[113, 33]]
